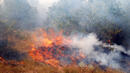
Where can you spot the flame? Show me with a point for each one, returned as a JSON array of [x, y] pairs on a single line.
[[52, 48]]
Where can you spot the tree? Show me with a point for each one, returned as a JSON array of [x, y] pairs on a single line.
[[19, 11]]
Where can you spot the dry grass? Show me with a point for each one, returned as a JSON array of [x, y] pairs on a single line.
[[21, 42], [34, 67]]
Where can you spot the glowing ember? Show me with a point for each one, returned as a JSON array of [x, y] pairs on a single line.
[[53, 49]]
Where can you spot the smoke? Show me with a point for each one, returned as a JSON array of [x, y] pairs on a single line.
[[92, 11], [103, 19], [80, 14], [42, 7], [25, 14], [108, 19], [1, 1], [97, 51], [86, 44]]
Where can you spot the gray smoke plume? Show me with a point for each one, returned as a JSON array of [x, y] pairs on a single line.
[[42, 7], [103, 53], [108, 19], [25, 14]]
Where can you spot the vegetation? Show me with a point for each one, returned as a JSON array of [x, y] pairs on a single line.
[[34, 67]]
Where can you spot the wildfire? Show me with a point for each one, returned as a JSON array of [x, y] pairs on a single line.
[[53, 49], [10, 62]]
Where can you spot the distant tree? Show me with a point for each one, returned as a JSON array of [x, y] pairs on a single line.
[[105, 18], [19, 11]]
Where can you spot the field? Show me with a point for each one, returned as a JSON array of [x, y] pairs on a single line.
[[34, 67]]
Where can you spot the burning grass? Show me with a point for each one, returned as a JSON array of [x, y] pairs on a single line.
[[53, 49], [30, 66], [45, 52]]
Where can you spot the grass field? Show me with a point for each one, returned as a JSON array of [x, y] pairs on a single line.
[[30, 66]]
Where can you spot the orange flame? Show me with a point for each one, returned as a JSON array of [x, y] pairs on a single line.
[[52, 47]]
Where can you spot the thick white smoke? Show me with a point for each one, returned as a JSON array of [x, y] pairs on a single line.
[[95, 50], [86, 44]]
